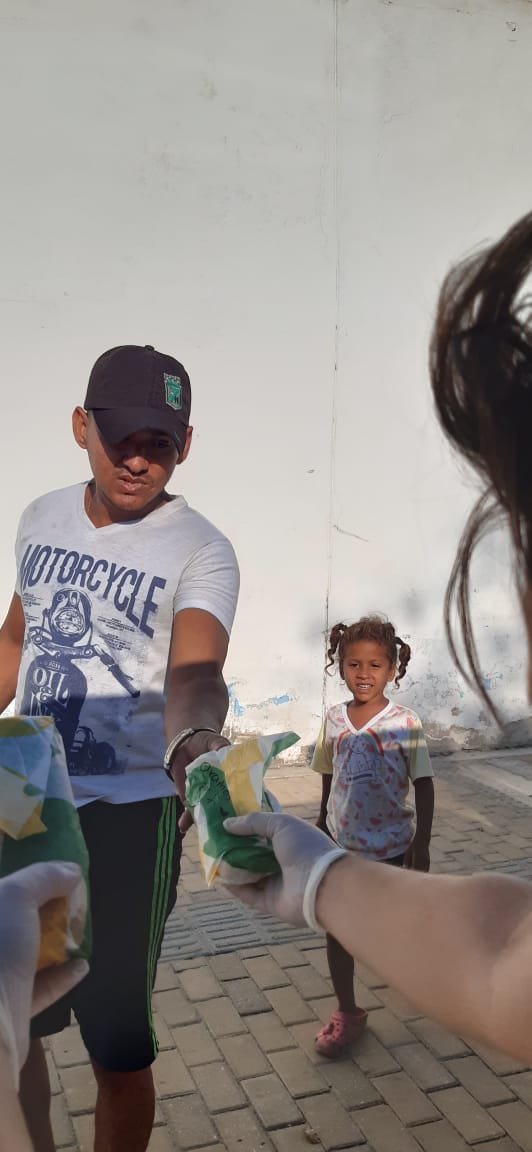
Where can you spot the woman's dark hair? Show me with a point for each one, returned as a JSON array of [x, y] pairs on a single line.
[[481, 374], [369, 628]]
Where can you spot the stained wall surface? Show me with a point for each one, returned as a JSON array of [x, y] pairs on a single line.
[[272, 192]]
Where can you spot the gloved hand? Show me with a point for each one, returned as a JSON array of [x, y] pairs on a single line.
[[22, 993], [304, 854]]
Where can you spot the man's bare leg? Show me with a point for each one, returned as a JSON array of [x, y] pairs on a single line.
[[125, 1110], [35, 1098]]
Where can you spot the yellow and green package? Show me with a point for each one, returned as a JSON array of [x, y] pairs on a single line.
[[38, 821], [230, 782]]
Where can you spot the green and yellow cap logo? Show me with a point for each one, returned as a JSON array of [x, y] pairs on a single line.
[[174, 391]]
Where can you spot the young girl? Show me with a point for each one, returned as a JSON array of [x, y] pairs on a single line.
[[368, 751]]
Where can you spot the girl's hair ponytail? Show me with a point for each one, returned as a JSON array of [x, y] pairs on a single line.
[[403, 658], [335, 640]]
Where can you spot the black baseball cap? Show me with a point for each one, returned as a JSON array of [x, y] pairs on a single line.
[[131, 387]]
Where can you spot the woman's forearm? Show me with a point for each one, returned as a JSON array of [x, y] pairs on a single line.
[[459, 948], [13, 1132]]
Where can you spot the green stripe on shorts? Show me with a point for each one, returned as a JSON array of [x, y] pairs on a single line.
[[161, 890]]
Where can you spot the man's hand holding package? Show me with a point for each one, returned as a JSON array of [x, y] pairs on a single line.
[[230, 782], [198, 744]]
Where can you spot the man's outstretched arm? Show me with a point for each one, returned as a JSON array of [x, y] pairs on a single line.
[[196, 692]]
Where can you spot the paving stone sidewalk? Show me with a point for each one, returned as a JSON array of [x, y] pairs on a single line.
[[237, 1071]]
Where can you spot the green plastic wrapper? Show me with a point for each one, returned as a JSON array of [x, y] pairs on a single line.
[[38, 822], [230, 782]]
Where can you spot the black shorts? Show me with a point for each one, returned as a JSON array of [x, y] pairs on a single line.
[[134, 857]]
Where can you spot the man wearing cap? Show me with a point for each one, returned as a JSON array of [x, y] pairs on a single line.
[[119, 629]]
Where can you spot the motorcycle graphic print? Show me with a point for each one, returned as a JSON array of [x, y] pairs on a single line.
[[55, 685]]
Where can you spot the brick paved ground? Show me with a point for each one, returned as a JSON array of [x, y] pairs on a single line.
[[237, 1070]]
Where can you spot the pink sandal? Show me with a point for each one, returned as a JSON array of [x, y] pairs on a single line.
[[335, 1037]]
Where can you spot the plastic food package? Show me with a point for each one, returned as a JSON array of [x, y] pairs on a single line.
[[229, 782], [39, 821]]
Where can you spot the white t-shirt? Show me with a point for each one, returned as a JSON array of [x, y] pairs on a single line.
[[99, 605], [371, 769]]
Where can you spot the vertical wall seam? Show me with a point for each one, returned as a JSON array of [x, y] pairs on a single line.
[[334, 379]]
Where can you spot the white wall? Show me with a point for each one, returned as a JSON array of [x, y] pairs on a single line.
[[271, 192], [432, 160]]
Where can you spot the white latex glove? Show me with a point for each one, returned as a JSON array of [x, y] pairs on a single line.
[[304, 854], [22, 993]]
